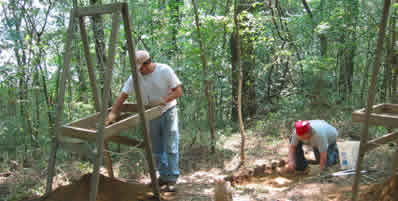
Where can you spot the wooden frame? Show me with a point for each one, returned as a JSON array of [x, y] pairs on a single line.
[[102, 134], [382, 114], [390, 137], [99, 10], [368, 117], [85, 128]]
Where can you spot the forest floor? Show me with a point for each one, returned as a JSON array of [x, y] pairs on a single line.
[[200, 169]]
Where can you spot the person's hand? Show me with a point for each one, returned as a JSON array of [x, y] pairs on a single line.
[[291, 167], [111, 118]]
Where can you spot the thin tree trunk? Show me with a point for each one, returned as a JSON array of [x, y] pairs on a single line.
[[234, 77], [385, 87], [81, 72], [347, 67], [36, 120], [394, 61], [99, 40], [365, 79], [394, 86], [48, 99], [225, 24], [239, 106], [208, 88], [249, 105], [175, 24]]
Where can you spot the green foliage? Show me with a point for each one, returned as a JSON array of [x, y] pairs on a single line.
[[317, 64], [79, 110]]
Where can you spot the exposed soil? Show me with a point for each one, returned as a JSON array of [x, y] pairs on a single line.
[[108, 190], [274, 185], [387, 191], [260, 180]]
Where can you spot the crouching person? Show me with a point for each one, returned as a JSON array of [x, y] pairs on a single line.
[[318, 134]]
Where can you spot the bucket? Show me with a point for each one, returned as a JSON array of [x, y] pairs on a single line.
[[348, 154]]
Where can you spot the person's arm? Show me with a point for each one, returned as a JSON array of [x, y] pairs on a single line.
[[114, 113], [323, 160], [174, 94], [291, 157]]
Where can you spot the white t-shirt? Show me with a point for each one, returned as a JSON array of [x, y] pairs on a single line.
[[323, 134], [156, 85]]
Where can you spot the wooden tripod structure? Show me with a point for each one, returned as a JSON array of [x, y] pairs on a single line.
[[382, 114], [102, 132]]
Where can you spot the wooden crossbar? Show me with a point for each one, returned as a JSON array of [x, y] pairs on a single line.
[[390, 137], [382, 114], [98, 10]]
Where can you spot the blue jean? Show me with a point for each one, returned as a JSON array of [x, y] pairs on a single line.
[[302, 163], [164, 134]]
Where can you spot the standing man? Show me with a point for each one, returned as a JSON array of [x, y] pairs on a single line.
[[321, 136], [159, 86]]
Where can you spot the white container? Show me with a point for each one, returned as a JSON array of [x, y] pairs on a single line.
[[348, 154]]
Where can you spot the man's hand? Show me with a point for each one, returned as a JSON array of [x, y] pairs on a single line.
[[111, 118], [291, 167]]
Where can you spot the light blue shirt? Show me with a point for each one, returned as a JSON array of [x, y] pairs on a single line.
[[323, 134]]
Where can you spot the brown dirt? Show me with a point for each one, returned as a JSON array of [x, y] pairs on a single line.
[[260, 180], [387, 191], [109, 190]]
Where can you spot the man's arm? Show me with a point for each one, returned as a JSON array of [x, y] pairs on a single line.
[[114, 113], [174, 94], [323, 160]]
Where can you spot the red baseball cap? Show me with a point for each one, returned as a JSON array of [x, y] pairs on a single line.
[[302, 127]]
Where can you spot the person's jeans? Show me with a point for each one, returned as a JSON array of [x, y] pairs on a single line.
[[302, 163], [164, 135]]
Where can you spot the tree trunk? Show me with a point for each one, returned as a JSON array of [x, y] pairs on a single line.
[[385, 87], [207, 83], [240, 83], [394, 86], [364, 83], [81, 69], [48, 99], [394, 63], [208, 88], [99, 39], [36, 107], [349, 39], [175, 24], [249, 105], [235, 77]]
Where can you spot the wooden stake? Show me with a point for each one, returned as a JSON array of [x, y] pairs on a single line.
[[104, 110], [60, 104], [371, 96], [141, 109]]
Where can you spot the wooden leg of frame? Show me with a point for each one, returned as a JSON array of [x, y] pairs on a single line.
[[108, 160]]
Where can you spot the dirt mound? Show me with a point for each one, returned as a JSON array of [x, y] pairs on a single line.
[[109, 189], [387, 191], [245, 175]]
